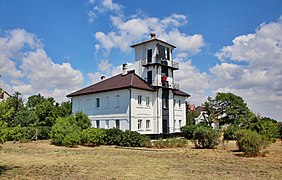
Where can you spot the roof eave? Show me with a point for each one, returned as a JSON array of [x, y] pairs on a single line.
[[125, 87], [137, 44]]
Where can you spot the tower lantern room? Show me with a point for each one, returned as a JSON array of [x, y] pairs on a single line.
[[154, 62]]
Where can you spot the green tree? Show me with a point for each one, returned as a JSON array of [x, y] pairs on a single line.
[[46, 113], [10, 106], [3, 132], [64, 109], [190, 117], [35, 100], [6, 112], [25, 117], [234, 109], [15, 101], [213, 111]]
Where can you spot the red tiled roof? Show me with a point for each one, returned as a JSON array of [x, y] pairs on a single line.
[[180, 93], [130, 80]]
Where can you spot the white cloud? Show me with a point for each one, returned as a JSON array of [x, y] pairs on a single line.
[[192, 81], [108, 70], [105, 66], [111, 6], [252, 68], [26, 67], [103, 6], [47, 74], [135, 29]]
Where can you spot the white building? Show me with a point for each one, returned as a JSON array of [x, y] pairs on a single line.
[[4, 95], [145, 100]]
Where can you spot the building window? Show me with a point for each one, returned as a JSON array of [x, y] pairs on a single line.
[[148, 124], [149, 55], [174, 124], [107, 124], [147, 101], [179, 103], [165, 103], [80, 105], [107, 102], [97, 124], [117, 124], [88, 103], [139, 124], [149, 77], [174, 102], [167, 54], [97, 102], [117, 101], [139, 100], [179, 123]]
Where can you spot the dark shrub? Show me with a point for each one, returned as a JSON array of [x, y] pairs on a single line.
[[93, 136], [266, 128], [206, 137], [251, 142], [187, 131], [113, 136], [43, 132], [19, 133], [133, 139], [230, 132], [280, 129], [65, 132], [82, 120]]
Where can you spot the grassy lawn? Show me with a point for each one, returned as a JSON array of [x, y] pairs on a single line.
[[40, 160]]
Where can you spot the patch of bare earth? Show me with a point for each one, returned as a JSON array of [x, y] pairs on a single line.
[[40, 160]]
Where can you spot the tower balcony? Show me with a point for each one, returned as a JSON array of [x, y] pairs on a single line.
[[163, 62], [163, 84], [170, 85]]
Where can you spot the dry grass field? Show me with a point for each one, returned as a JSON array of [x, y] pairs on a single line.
[[40, 160]]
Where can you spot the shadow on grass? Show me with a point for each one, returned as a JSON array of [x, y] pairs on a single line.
[[5, 168]]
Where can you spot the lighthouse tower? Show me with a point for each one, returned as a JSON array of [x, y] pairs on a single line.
[[155, 65]]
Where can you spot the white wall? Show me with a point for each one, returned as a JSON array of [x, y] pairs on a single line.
[[179, 113], [114, 105], [87, 103], [143, 112]]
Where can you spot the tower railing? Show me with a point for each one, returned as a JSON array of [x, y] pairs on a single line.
[[175, 86], [165, 62]]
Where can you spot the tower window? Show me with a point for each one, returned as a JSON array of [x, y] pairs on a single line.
[[167, 54], [149, 77], [179, 103], [147, 101], [149, 55]]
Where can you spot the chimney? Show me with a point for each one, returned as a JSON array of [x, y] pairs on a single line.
[[124, 69], [103, 77], [153, 35]]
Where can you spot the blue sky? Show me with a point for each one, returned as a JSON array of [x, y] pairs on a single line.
[[56, 47]]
